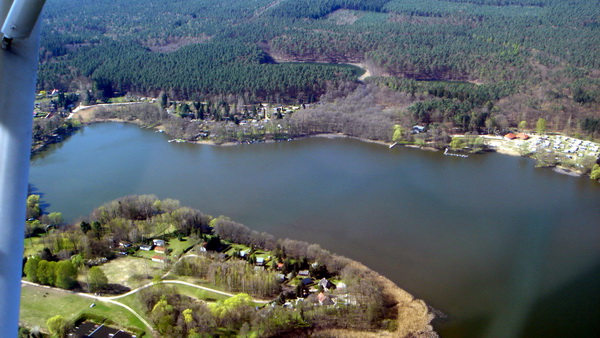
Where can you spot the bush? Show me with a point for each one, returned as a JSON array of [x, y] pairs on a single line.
[[595, 174]]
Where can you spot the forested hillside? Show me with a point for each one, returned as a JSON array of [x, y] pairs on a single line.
[[464, 61]]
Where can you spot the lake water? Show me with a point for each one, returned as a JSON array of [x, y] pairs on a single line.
[[504, 249]]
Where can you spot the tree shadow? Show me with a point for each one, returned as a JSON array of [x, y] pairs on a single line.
[[34, 190]]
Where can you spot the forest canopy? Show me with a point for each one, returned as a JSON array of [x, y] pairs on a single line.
[[536, 58]]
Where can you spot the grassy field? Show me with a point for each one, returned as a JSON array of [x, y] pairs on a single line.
[[131, 271], [147, 254], [33, 245], [189, 291], [196, 281], [39, 304], [199, 294]]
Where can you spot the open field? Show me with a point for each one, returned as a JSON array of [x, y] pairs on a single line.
[[38, 304], [132, 272], [199, 294]]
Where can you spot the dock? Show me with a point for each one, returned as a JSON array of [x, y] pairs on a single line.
[[446, 153]]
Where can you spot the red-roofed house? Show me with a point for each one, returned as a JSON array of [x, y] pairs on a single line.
[[510, 136], [160, 249], [159, 259]]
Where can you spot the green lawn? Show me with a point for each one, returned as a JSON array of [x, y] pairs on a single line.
[[199, 294], [133, 302], [131, 271], [39, 304], [233, 247], [147, 254], [119, 99], [178, 246], [196, 281], [33, 245]]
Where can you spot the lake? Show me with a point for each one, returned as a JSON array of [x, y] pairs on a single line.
[[504, 249]]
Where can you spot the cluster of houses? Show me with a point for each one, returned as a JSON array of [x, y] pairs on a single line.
[[49, 109], [47, 94], [159, 246], [313, 290], [250, 114], [318, 292]]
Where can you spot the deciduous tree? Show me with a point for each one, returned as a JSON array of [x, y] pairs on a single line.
[[57, 326], [97, 279], [540, 126], [66, 275]]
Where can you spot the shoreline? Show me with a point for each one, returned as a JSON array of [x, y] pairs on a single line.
[[496, 145]]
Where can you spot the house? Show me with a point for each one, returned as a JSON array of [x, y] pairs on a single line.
[[417, 129], [260, 261], [324, 299], [124, 244], [510, 136], [303, 273], [146, 247], [158, 242], [522, 136], [159, 259], [160, 249], [326, 284]]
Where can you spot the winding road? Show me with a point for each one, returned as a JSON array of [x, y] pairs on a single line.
[[113, 299]]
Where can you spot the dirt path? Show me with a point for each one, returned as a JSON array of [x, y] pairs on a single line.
[[181, 283], [362, 66], [87, 112], [98, 298]]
